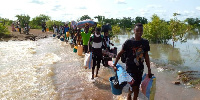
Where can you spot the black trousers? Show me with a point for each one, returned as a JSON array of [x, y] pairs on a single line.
[[96, 61], [85, 48]]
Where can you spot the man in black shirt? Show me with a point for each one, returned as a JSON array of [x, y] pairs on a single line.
[[137, 51]]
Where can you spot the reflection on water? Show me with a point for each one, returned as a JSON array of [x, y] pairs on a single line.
[[193, 35], [182, 56], [165, 54]]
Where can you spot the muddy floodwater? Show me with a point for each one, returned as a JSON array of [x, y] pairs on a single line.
[[48, 69]]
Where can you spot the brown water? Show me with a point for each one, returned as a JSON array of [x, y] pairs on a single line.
[[184, 56], [48, 70]]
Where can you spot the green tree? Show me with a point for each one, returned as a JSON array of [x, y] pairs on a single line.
[[23, 19], [115, 29], [194, 22], [3, 30], [50, 23], [100, 19], [84, 17], [178, 29], [142, 20], [126, 23], [38, 20], [5, 21], [112, 21], [156, 30]]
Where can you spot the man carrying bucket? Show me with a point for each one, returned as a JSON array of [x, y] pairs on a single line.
[[137, 51]]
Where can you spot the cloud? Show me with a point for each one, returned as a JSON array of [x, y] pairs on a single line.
[[82, 7], [107, 12], [196, 42], [188, 14], [198, 8], [160, 11], [185, 13], [37, 2], [130, 8], [56, 7], [120, 1], [67, 14], [154, 6], [143, 13]]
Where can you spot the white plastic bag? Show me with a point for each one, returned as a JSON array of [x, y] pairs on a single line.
[[88, 62]]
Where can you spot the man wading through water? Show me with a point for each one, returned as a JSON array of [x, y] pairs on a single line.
[[96, 42], [86, 36], [137, 51]]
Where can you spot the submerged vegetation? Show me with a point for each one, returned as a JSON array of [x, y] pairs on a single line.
[[189, 77]]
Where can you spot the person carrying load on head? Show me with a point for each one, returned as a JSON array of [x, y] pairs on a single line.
[[107, 38], [137, 52], [96, 41], [86, 36]]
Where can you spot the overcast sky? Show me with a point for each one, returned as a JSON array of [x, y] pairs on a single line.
[[67, 10]]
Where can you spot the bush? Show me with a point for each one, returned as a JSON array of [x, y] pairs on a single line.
[[3, 31]]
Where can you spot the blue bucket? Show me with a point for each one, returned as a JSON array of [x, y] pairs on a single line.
[[62, 39], [113, 89], [54, 35]]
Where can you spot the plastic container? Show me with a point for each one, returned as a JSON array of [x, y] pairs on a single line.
[[113, 89], [47, 29], [74, 50], [67, 34], [62, 39], [80, 50], [72, 45]]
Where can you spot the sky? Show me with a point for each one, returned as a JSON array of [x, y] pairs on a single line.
[[67, 10]]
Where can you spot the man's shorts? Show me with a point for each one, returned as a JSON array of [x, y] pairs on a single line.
[[137, 77]]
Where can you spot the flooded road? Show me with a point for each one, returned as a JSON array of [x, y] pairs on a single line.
[[48, 69]]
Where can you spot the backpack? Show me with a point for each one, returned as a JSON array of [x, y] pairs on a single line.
[[124, 55], [101, 40]]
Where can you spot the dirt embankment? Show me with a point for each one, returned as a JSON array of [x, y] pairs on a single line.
[[34, 34]]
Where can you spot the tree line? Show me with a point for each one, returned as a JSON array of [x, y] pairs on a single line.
[[157, 30]]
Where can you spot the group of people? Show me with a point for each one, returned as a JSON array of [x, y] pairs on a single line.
[[92, 41], [135, 48], [62, 30], [17, 25]]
